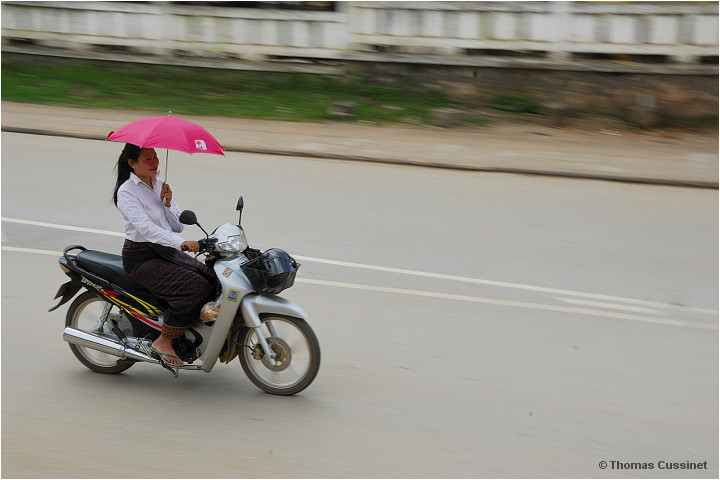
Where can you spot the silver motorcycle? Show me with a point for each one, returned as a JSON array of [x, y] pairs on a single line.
[[111, 325]]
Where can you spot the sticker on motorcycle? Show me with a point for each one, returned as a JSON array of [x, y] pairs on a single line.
[[88, 282], [233, 295], [136, 311], [227, 272]]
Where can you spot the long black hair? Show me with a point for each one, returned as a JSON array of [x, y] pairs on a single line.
[[130, 152]]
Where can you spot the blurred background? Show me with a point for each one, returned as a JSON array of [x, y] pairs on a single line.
[[646, 64], [506, 215]]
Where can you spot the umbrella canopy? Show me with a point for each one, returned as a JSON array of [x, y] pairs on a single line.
[[167, 132]]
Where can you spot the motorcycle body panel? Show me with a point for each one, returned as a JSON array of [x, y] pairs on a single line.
[[234, 287]]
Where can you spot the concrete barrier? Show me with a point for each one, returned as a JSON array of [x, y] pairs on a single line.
[[666, 31]]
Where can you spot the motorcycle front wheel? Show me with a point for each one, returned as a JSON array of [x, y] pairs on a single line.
[[84, 314], [297, 359]]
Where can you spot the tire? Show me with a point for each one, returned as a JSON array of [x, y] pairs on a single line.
[[83, 314], [298, 355]]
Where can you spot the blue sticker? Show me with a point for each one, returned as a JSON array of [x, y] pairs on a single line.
[[233, 295]]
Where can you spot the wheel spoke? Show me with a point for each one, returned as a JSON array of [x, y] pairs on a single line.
[[298, 369], [299, 346]]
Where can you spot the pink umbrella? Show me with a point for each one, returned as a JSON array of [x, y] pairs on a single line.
[[167, 132]]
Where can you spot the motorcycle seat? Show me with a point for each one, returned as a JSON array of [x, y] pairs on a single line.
[[110, 267]]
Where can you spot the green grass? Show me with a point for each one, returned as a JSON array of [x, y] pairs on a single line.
[[260, 95], [198, 91]]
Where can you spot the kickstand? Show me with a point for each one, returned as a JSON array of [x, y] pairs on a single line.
[[166, 366]]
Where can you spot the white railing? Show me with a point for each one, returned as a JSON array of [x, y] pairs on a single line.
[[681, 31], [163, 27]]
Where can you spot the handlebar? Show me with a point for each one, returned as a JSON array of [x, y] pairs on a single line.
[[207, 245]]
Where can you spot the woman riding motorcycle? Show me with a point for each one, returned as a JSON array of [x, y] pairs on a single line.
[[152, 253]]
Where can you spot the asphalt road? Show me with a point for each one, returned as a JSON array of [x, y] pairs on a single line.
[[471, 325]]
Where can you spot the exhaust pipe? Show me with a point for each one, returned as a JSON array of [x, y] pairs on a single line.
[[104, 344]]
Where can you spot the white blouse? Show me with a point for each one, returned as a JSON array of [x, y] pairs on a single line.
[[145, 217]]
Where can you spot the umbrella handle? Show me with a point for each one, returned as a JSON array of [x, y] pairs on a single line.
[[164, 201], [165, 179]]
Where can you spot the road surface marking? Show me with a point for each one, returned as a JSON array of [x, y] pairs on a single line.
[[509, 303], [62, 227], [493, 283], [439, 276], [463, 298], [32, 250], [612, 306]]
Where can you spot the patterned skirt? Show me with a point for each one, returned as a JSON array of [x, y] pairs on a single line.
[[185, 283]]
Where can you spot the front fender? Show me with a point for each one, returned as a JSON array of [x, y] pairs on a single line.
[[253, 306]]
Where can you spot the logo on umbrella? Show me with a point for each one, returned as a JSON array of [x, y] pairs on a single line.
[[200, 145]]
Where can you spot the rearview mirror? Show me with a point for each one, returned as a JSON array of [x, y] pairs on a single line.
[[187, 217], [239, 208]]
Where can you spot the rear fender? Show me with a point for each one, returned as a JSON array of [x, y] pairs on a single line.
[[66, 291]]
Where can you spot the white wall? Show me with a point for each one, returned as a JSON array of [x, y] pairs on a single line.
[[682, 31]]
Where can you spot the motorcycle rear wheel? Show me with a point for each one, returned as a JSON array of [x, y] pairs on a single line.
[[84, 314], [298, 355]]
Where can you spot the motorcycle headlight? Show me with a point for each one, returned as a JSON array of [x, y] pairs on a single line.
[[234, 244]]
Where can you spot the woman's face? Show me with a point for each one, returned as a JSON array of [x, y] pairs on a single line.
[[147, 165]]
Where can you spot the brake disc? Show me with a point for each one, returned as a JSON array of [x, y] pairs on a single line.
[[283, 354]]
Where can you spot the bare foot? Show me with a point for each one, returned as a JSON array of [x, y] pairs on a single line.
[[164, 347]]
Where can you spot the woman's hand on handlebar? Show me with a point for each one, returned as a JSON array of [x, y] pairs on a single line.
[[193, 247]]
